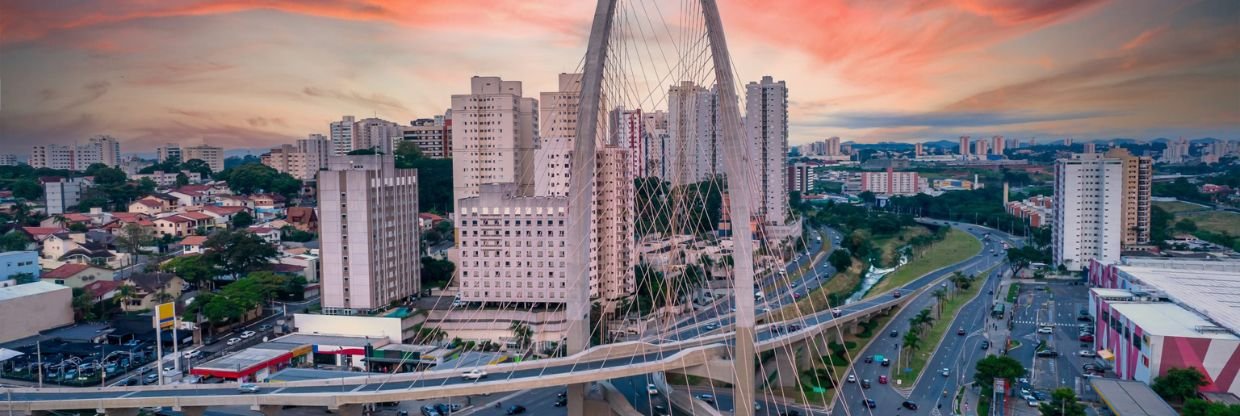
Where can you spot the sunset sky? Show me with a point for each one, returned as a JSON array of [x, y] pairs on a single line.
[[257, 73]]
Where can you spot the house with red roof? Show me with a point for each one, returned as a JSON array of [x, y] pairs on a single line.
[[101, 290], [223, 215], [181, 225], [154, 204], [38, 234], [272, 235], [303, 218], [77, 275], [194, 244]]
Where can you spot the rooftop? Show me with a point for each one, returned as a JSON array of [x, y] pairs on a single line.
[[1169, 319], [29, 289], [1214, 294], [1130, 398], [333, 340], [1112, 293], [65, 271], [241, 360]]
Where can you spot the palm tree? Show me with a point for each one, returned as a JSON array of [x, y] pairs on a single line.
[[923, 317], [913, 343], [59, 219], [521, 333], [124, 294], [939, 294]]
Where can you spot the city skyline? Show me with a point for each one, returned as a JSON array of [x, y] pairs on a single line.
[[1151, 70]]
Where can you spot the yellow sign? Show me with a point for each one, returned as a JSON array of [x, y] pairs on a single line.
[[165, 315]]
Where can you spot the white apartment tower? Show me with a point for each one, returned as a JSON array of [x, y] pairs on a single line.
[[369, 226], [8, 159], [654, 140], [766, 125], [981, 148], [692, 152], [494, 130], [964, 147], [341, 134], [377, 134], [105, 149], [212, 155], [433, 136], [52, 156], [557, 112], [99, 149], [626, 128], [1089, 202], [512, 247], [302, 160], [998, 145], [317, 148], [168, 151]]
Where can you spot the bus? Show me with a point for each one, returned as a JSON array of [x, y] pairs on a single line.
[[998, 311]]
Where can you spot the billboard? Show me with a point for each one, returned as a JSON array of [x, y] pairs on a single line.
[[165, 315]]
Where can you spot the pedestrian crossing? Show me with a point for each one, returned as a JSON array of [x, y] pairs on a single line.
[[1060, 324]]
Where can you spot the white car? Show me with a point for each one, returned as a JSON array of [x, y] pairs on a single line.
[[651, 390], [475, 374], [852, 378], [247, 334], [248, 388], [945, 372], [234, 341], [1046, 330], [1087, 353], [837, 312]]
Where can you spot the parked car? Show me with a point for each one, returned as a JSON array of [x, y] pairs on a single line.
[[985, 344], [248, 388], [1087, 353], [193, 355], [429, 410], [1087, 338], [150, 378], [247, 334], [234, 341], [1047, 353], [131, 381], [264, 327]]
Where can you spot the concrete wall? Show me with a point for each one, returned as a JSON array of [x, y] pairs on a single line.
[[359, 326], [27, 309]]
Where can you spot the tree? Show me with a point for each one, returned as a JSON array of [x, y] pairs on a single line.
[[436, 272], [371, 151], [124, 294], [521, 333], [992, 367], [242, 219], [23, 278], [1179, 384], [195, 165], [193, 269], [923, 318], [1199, 407], [105, 175], [133, 237], [1062, 403], [14, 241], [840, 259], [27, 189], [238, 251], [83, 305], [182, 180]]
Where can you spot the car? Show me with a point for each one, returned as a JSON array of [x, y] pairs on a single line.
[[247, 334], [1032, 403], [894, 333], [1086, 318], [985, 344], [712, 326], [560, 402], [886, 362], [909, 404], [882, 379], [561, 395], [852, 378], [661, 410], [1041, 395], [869, 359], [945, 372], [131, 381], [790, 412], [429, 410], [248, 388], [264, 327], [706, 397], [515, 409], [651, 390], [195, 354], [234, 341], [796, 295], [895, 294], [960, 331], [870, 403], [475, 374], [110, 368], [865, 383], [1087, 353], [150, 378], [837, 312], [1047, 353], [1087, 338], [1046, 330]]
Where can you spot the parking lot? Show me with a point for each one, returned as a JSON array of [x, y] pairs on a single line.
[[1048, 323]]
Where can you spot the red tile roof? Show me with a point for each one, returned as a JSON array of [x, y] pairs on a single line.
[[193, 188], [260, 230], [194, 240], [99, 288], [197, 216], [65, 271], [179, 218], [42, 231], [150, 203], [219, 210]]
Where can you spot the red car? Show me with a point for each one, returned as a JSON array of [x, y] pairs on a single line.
[[882, 379], [1087, 338]]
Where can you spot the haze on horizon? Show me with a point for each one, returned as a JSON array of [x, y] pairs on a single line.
[[246, 74]]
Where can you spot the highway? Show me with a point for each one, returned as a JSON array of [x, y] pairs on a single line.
[[956, 353]]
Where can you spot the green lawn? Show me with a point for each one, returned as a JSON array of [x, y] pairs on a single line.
[[940, 327], [957, 246], [890, 245], [1177, 206], [1215, 221]]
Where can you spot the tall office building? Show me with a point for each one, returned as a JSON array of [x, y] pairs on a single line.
[[1138, 182], [833, 146], [998, 145], [341, 134], [377, 134], [494, 129], [692, 153], [368, 224], [168, 151], [964, 147], [433, 136], [766, 127], [213, 155], [1089, 206]]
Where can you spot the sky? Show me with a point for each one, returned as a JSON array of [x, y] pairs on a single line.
[[249, 74]]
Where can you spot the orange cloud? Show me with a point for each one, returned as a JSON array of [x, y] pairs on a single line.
[[1144, 38]]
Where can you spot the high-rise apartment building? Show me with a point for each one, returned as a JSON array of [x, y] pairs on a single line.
[[692, 151], [1089, 207], [368, 224], [833, 146], [1176, 151], [1091, 148], [981, 148], [1136, 206], [964, 147], [52, 156], [317, 148], [212, 155], [433, 136], [63, 194], [766, 127], [557, 112], [168, 151], [302, 160], [1067, 141], [655, 138], [99, 149], [377, 134], [8, 159], [892, 183], [919, 149], [341, 135], [626, 129], [494, 130], [998, 145], [801, 178], [105, 149], [512, 247]]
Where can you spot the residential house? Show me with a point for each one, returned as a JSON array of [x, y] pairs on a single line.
[[232, 201], [194, 244], [76, 275], [150, 289], [267, 206], [190, 198], [272, 235], [154, 204], [181, 225], [124, 219], [427, 220], [92, 248], [38, 234], [303, 218], [223, 215], [101, 290]]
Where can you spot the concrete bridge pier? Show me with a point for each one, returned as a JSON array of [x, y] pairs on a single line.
[[275, 410], [190, 410]]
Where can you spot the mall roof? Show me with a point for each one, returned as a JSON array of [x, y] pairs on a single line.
[[1169, 319], [1212, 293], [1130, 398]]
